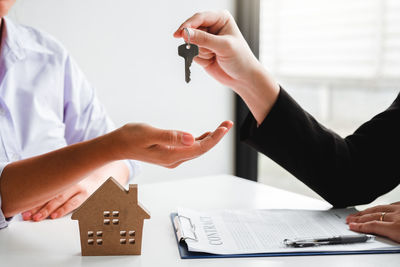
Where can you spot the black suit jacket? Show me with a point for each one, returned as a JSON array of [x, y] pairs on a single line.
[[344, 171]]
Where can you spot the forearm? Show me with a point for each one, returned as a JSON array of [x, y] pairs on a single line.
[[31, 182], [344, 171], [259, 92], [116, 169]]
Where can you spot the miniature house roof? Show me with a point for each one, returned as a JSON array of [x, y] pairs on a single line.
[[112, 194]]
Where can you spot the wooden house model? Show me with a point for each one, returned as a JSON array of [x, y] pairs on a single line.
[[111, 221]]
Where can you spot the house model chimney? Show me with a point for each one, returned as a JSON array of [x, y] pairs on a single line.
[[133, 192]]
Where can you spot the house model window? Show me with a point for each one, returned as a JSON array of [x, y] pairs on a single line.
[[127, 234], [111, 228]]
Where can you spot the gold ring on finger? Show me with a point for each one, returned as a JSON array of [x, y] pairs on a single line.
[[382, 218]]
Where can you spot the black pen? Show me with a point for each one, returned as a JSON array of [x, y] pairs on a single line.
[[334, 240]]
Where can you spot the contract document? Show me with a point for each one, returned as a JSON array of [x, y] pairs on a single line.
[[234, 232]]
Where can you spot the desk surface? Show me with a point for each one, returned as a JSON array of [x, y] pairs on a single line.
[[56, 242]]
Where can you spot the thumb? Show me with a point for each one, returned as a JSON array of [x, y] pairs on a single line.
[[204, 39], [174, 138]]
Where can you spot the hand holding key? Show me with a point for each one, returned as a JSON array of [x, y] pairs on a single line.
[[188, 51], [225, 55], [223, 52]]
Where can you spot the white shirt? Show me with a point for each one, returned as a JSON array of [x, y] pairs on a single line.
[[45, 101]]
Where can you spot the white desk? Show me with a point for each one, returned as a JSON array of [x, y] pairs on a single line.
[[56, 242]]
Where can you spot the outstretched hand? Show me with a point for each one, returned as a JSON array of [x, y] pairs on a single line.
[[381, 220], [168, 148]]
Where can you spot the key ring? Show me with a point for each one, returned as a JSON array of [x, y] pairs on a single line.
[[188, 42]]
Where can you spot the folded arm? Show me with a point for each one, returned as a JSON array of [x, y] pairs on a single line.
[[71, 198]]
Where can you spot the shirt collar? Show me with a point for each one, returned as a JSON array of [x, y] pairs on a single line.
[[12, 39]]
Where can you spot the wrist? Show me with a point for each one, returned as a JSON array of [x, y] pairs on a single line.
[[259, 92], [120, 141], [248, 72], [109, 146]]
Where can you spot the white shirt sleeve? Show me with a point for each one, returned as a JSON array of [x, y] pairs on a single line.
[[84, 116]]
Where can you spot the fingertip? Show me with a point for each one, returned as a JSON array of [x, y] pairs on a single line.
[[26, 216], [226, 124], [37, 217], [188, 139], [353, 226], [177, 33], [54, 215], [220, 132], [180, 32]]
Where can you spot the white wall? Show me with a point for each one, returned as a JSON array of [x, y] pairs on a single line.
[[128, 53]]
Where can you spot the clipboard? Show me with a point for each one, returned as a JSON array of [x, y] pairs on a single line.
[[181, 235]]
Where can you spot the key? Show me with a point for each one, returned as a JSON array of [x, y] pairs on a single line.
[[188, 52]]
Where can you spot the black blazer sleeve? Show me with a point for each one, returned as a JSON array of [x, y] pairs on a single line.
[[344, 171]]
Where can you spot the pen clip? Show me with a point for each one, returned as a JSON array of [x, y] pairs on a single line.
[[300, 243]]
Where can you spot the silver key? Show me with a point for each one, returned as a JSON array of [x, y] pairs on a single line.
[[188, 51]]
